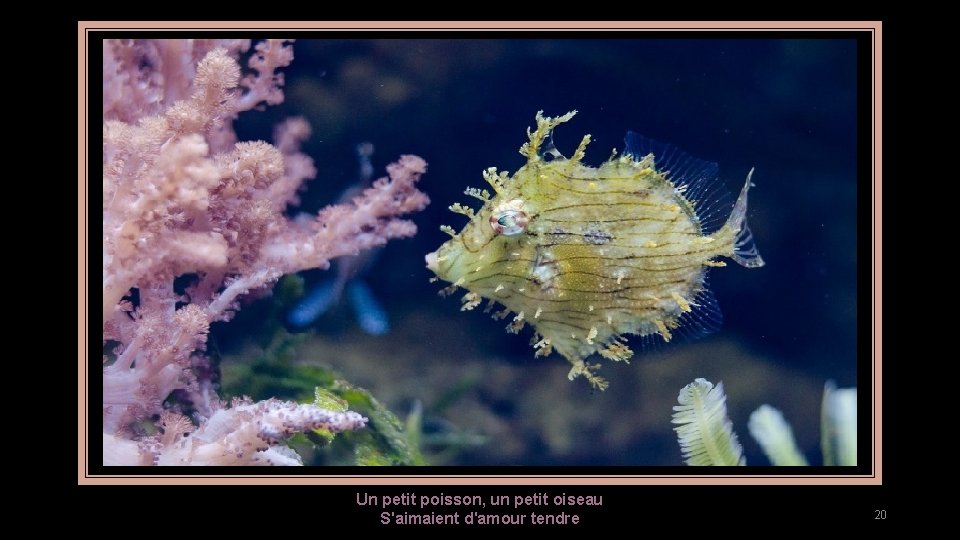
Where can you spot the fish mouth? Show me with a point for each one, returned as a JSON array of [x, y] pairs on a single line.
[[431, 259]]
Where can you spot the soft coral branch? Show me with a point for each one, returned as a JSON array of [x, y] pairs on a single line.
[[247, 433]]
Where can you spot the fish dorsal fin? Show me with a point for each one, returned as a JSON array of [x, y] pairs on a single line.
[[698, 180]]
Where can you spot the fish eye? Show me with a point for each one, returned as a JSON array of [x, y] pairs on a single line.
[[509, 222]]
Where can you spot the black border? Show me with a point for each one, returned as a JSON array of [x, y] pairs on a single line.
[[865, 147]]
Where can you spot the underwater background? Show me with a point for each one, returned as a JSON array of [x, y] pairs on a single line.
[[787, 107]]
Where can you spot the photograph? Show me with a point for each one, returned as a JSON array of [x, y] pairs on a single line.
[[595, 252]]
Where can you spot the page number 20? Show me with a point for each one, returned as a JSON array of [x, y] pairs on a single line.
[[879, 514]]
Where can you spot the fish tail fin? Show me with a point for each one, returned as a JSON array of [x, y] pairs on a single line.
[[744, 247]]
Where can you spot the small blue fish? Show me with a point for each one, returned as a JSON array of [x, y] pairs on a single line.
[[370, 315]]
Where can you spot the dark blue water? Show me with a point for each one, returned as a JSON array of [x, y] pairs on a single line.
[[785, 107]]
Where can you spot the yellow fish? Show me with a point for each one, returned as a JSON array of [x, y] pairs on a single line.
[[586, 255]]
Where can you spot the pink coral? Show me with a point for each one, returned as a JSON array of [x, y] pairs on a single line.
[[182, 196]]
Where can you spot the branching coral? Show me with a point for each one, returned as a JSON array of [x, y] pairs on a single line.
[[245, 434], [181, 197]]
